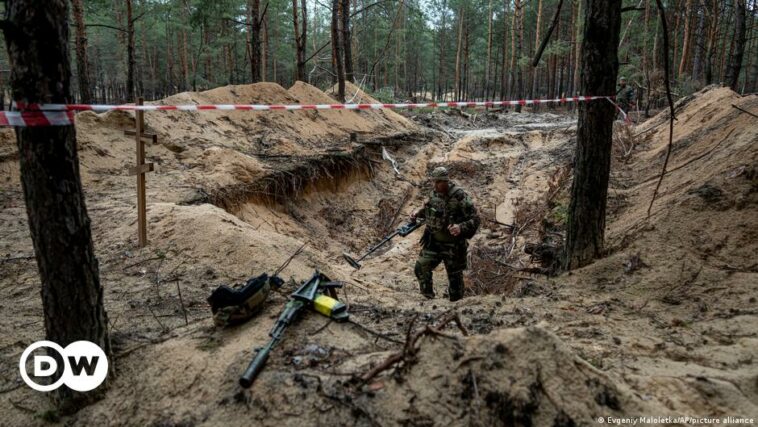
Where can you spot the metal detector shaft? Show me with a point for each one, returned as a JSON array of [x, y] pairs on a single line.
[[378, 245], [402, 231]]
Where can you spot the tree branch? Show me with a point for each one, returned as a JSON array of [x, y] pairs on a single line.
[[104, 26], [547, 36], [671, 101]]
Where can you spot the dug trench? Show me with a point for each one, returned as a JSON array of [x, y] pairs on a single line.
[[654, 328]]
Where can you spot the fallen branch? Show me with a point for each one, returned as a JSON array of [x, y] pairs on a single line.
[[376, 334], [181, 301], [672, 117], [410, 349], [745, 111], [286, 263], [16, 258]]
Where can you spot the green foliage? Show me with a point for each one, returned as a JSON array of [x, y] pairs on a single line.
[[408, 46]]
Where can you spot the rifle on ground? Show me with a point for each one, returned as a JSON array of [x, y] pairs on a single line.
[[318, 293], [402, 231]]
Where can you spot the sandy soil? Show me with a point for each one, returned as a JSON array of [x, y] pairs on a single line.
[[665, 324]]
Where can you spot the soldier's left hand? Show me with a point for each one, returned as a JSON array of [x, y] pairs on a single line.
[[454, 229]]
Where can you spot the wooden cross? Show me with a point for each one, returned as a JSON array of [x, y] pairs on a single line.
[[140, 169]]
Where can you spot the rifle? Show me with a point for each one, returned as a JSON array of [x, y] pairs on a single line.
[[311, 294], [402, 231]]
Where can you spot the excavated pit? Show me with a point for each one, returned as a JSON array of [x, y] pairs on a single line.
[[664, 325]]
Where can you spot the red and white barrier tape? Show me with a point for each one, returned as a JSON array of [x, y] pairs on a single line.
[[62, 114], [36, 118]]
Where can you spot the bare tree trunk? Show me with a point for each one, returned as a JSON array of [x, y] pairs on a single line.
[[697, 62], [300, 39], [488, 65], [727, 47], [709, 51], [130, 61], [535, 69], [36, 35], [346, 40], [255, 41], [505, 72], [512, 68], [337, 51], [266, 48], [304, 32], [589, 190], [183, 58], [82, 68], [519, 46], [458, 53], [577, 46], [735, 62], [687, 36], [442, 87]]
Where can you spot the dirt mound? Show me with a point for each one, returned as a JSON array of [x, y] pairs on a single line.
[[510, 377], [355, 95]]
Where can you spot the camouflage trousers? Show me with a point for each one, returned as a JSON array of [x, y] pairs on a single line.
[[454, 257]]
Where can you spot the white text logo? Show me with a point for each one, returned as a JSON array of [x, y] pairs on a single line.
[[84, 366]]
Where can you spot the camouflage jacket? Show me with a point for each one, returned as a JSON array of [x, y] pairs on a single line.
[[625, 96], [455, 207]]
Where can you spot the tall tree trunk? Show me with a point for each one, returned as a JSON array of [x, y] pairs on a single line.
[[183, 58], [697, 62], [505, 72], [266, 48], [488, 65], [130, 61], [687, 37], [346, 40], [578, 53], [300, 39], [534, 71], [337, 51], [735, 62], [82, 68], [519, 46], [442, 86], [675, 10], [646, 57], [458, 53], [589, 190], [255, 41], [512, 67], [727, 47], [751, 73], [709, 51], [36, 35]]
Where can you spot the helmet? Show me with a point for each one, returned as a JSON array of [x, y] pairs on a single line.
[[440, 174], [622, 79]]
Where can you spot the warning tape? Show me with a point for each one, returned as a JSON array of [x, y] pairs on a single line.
[[62, 114], [36, 118]]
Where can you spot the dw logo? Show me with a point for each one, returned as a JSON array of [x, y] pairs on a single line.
[[84, 366]]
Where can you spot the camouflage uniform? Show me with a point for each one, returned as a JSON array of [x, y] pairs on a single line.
[[625, 97], [438, 245]]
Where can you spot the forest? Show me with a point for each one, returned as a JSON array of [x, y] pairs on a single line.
[[399, 49]]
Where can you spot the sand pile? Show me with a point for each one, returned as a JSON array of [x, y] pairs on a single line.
[[210, 150], [510, 377]]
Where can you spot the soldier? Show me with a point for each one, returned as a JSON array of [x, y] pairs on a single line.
[[625, 95], [451, 219]]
